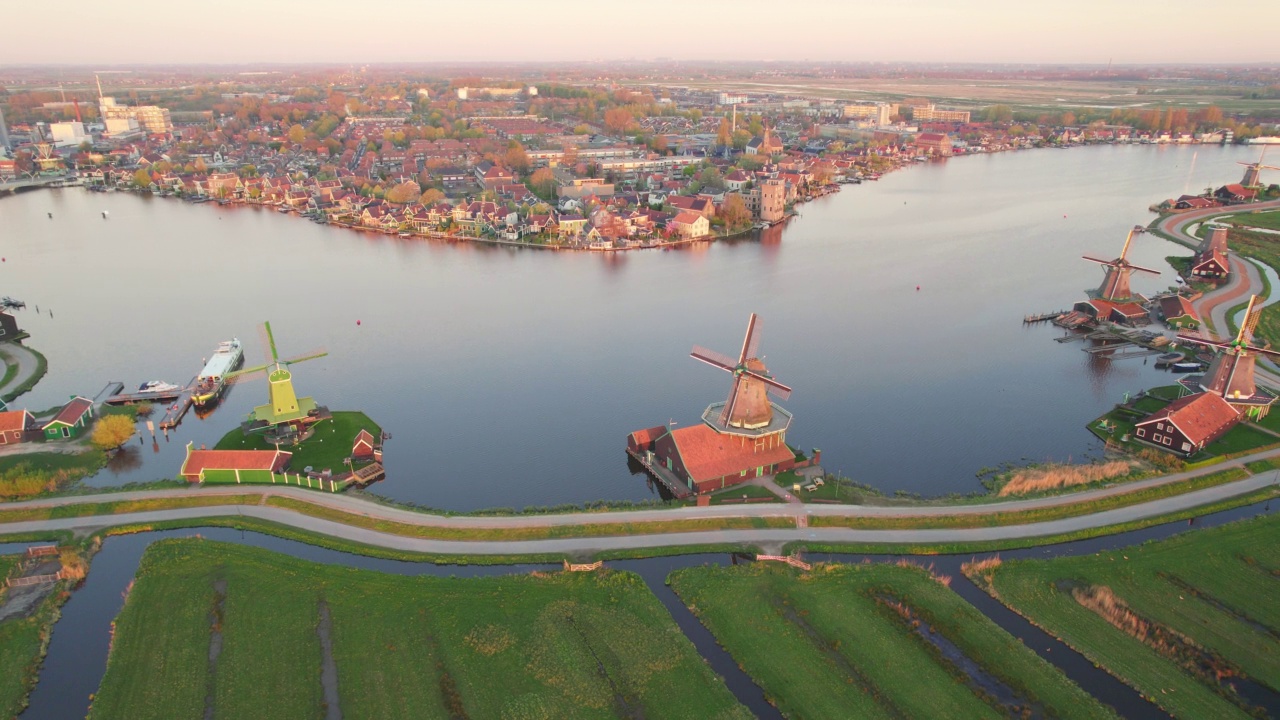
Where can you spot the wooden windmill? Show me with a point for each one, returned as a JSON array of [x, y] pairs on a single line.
[[748, 407], [284, 407], [1231, 374], [1253, 171], [1115, 286]]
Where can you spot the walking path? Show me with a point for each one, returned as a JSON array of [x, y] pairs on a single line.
[[28, 364], [370, 509]]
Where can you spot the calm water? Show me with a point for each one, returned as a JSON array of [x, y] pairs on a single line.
[[511, 377]]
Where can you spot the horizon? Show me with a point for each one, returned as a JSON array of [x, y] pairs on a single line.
[[984, 32]]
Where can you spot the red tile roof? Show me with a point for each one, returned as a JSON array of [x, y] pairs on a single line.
[[1177, 306], [199, 460], [1201, 417], [708, 454], [647, 435], [686, 217], [72, 411], [14, 421]]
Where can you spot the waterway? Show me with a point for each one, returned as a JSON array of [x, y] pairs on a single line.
[[78, 648], [510, 377]]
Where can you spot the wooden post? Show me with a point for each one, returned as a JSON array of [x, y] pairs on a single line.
[[237, 476]]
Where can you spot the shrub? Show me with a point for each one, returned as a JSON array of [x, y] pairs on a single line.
[[112, 431]]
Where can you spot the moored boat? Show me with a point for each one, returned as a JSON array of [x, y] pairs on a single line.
[[213, 378], [1186, 367]]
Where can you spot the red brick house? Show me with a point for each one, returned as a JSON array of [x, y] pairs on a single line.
[[1186, 426], [708, 460], [362, 448], [934, 144], [198, 461]]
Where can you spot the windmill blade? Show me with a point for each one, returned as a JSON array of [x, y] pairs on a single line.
[[750, 343], [1124, 252], [305, 357], [1139, 268], [1268, 167], [1204, 341], [1251, 315], [713, 358], [1266, 351], [267, 343], [271, 339], [732, 402], [1100, 262], [240, 376], [778, 389]]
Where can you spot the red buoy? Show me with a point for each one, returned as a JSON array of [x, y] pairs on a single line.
[[357, 322], [917, 288]]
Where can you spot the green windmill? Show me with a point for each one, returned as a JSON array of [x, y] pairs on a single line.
[[284, 407]]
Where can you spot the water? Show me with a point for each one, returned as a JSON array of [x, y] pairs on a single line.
[[511, 377]]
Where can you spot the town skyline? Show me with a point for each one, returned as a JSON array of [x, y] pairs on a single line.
[[985, 32]]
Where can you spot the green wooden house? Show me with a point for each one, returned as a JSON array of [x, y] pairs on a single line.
[[72, 420]]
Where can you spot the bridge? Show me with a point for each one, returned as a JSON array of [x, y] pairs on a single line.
[[23, 184]]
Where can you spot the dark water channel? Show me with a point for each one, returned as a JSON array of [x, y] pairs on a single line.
[[511, 377], [77, 654]]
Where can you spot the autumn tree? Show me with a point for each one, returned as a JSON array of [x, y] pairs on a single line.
[[112, 431], [297, 134], [142, 178], [516, 158], [734, 210], [431, 197], [711, 179], [199, 166], [723, 135], [403, 193], [543, 183], [617, 120]]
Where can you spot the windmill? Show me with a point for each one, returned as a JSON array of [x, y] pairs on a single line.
[[748, 409], [285, 414], [1231, 374], [1115, 286], [1253, 171]]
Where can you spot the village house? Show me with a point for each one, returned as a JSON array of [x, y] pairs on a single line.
[[8, 326], [701, 205], [1178, 313], [198, 462], [1187, 425], [934, 144], [1235, 194], [16, 426], [689, 224], [71, 420], [1210, 261]]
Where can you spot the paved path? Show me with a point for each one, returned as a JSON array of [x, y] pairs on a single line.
[[362, 506], [27, 362]]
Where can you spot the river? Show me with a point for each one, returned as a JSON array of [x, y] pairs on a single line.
[[510, 377]]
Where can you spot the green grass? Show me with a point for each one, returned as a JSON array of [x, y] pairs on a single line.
[[10, 370], [1239, 439], [326, 449], [32, 474], [42, 367], [1149, 404], [823, 645], [544, 645], [1269, 220], [22, 643], [1183, 583]]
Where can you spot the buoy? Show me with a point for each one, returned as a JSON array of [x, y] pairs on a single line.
[[357, 322], [1064, 214], [917, 288]]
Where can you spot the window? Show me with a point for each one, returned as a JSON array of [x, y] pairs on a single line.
[[1186, 447], [1159, 426], [1168, 439], [1142, 432], [1155, 437]]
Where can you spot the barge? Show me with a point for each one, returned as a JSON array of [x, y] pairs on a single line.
[[213, 378]]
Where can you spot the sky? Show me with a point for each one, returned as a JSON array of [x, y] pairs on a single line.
[[371, 31]]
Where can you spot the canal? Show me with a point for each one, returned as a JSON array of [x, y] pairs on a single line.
[[510, 377]]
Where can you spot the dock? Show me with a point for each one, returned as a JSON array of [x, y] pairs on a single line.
[[661, 474], [175, 412], [124, 398], [1042, 317]]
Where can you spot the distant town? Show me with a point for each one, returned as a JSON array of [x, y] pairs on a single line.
[[579, 163]]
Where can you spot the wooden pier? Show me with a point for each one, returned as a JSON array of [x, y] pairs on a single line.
[[175, 412], [662, 475], [1043, 317], [137, 397]]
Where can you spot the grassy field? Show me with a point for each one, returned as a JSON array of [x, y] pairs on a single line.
[[21, 640], [26, 475], [326, 449], [1215, 588], [543, 645], [1268, 220], [834, 643]]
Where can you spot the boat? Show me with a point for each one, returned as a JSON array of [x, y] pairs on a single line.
[[213, 378], [1168, 359], [404, 235], [158, 386], [1186, 367]]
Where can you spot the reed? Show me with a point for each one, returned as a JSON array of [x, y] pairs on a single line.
[[1057, 476]]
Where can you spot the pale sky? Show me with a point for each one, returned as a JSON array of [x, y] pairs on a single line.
[[355, 31]]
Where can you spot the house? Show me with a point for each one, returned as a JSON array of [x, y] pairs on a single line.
[[700, 205], [1210, 266], [1194, 202], [936, 144], [490, 175], [8, 326], [708, 460], [766, 145], [362, 448], [1178, 313], [1125, 313], [689, 224], [1186, 426], [71, 420], [237, 461], [737, 180], [1235, 194], [15, 426]]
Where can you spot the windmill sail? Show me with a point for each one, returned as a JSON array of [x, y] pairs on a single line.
[[748, 405]]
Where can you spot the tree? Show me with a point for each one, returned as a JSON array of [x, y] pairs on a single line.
[[617, 120], [403, 193], [297, 134], [740, 139], [543, 183], [199, 166], [723, 136], [711, 179], [431, 197], [112, 431], [142, 178], [517, 159], [734, 210]]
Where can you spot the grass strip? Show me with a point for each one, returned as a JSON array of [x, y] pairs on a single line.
[[1203, 590], [529, 645], [42, 367], [833, 643], [1034, 515], [118, 507]]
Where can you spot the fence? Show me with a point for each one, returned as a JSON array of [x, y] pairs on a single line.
[[578, 567], [34, 579], [42, 550], [266, 477]]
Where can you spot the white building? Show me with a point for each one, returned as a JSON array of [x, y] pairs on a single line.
[[151, 118], [68, 133], [727, 99]]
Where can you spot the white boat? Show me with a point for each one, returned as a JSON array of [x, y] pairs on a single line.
[[158, 386]]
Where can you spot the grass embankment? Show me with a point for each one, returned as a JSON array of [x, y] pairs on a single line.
[[1180, 620], [118, 507], [558, 645], [1268, 220], [42, 367], [22, 644], [1034, 515], [31, 474], [1265, 248], [840, 642], [324, 450]]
